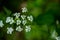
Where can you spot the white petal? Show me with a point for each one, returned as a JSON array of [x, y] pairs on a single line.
[[17, 15], [1, 23], [8, 19], [24, 9], [9, 30], [23, 16], [28, 29], [30, 18], [24, 22], [11, 21], [18, 22], [19, 29]]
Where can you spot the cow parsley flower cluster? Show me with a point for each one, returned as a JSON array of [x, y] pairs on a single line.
[[20, 20]]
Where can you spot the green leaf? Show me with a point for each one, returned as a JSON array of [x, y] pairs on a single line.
[[8, 12]]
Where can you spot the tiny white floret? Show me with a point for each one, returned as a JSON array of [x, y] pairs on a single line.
[[24, 22], [8, 19], [11, 21], [19, 29], [18, 22], [24, 10], [28, 28], [1, 23], [23, 16], [30, 18], [9, 30], [17, 15]]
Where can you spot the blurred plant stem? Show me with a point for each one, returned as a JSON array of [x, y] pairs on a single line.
[[16, 36]]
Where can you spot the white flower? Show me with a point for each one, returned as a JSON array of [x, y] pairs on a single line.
[[8, 19], [1, 23], [9, 30], [11, 21], [54, 34], [24, 9], [28, 29], [17, 15], [23, 16], [19, 29], [18, 22], [58, 38], [24, 22], [30, 18]]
